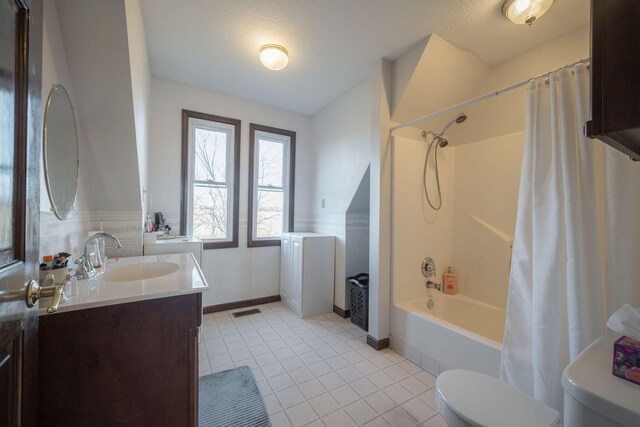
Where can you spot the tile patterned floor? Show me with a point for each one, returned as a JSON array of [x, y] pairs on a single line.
[[319, 371]]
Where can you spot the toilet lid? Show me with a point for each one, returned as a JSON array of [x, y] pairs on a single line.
[[481, 400]]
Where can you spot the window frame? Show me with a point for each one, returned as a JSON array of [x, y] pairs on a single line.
[[253, 187], [188, 178]]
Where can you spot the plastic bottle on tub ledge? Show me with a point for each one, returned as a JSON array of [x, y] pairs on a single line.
[[449, 281]]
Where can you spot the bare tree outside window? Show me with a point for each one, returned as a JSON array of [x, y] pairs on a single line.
[[210, 185], [271, 184], [210, 179], [270, 191]]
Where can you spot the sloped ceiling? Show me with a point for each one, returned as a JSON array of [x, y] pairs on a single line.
[[333, 44], [445, 75], [94, 33], [442, 75]]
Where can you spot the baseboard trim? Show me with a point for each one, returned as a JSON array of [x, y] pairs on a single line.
[[240, 304], [378, 344], [340, 312]]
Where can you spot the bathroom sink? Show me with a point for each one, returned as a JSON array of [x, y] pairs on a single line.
[[139, 271]]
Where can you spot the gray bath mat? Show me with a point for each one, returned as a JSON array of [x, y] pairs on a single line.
[[231, 399]]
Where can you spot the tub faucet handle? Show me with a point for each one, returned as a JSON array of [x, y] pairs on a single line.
[[428, 267]]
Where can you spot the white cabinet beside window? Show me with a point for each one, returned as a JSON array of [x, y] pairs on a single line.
[[307, 273]]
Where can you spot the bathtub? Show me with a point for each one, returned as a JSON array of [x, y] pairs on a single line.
[[457, 332]]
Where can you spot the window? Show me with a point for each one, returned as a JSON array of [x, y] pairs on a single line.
[[271, 184], [210, 179]]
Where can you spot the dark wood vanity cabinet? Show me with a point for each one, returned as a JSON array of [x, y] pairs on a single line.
[[615, 74], [132, 364]]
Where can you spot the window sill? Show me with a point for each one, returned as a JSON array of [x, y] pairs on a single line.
[[263, 243], [219, 245]]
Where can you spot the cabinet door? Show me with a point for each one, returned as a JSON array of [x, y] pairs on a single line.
[[296, 274], [285, 268]]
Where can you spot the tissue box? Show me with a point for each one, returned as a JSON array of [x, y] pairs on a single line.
[[626, 359]]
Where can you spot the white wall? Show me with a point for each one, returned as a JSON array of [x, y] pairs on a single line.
[[140, 86], [341, 135], [94, 33], [107, 79], [357, 230], [56, 235], [238, 273], [380, 203]]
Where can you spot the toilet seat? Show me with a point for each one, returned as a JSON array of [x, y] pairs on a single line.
[[481, 400]]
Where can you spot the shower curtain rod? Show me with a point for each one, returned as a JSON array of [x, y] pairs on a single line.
[[483, 97]]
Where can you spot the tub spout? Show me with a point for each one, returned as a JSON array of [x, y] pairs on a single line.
[[434, 285]]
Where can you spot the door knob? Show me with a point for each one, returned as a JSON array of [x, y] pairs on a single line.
[[35, 292]]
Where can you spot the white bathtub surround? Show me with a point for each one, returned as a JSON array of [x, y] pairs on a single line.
[[458, 333], [417, 230], [485, 189], [555, 307]]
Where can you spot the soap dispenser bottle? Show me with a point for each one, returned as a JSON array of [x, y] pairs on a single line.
[[449, 281]]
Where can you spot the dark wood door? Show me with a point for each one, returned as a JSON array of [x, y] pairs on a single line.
[[20, 130]]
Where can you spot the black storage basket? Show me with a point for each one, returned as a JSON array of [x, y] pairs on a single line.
[[359, 292]]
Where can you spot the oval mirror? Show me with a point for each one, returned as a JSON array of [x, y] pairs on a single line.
[[60, 152]]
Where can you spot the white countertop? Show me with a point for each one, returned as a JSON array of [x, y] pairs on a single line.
[[95, 292]]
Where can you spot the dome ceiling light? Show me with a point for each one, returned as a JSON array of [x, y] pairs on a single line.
[[274, 57], [525, 11]]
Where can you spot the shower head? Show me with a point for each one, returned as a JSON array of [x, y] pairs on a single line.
[[459, 119], [442, 142]]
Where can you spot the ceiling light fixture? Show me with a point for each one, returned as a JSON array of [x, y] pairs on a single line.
[[274, 57], [525, 11]]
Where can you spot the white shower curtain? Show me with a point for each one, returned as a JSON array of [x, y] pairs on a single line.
[[556, 301]]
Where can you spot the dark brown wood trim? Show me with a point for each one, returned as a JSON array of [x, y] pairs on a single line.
[[206, 244], [378, 344], [193, 376], [184, 209], [240, 304], [28, 217], [340, 312], [292, 179], [184, 173], [22, 122]]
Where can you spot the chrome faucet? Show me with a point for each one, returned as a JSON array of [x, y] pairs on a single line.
[[85, 268], [434, 285]]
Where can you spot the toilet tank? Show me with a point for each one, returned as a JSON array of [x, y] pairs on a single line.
[[593, 396]]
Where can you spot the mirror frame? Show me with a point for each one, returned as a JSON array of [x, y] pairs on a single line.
[[54, 208]]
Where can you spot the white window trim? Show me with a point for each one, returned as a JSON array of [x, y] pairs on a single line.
[[286, 170], [230, 169]]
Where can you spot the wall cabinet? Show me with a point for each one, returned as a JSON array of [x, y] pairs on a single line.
[[615, 71], [128, 364], [307, 273]]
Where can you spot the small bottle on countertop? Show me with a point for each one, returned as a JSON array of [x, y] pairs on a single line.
[[449, 281]]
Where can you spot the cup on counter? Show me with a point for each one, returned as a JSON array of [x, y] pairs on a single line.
[[58, 276]]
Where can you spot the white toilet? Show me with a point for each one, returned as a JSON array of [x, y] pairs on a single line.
[[593, 397]]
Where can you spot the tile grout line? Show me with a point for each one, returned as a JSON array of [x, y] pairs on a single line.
[[281, 325]]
